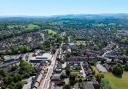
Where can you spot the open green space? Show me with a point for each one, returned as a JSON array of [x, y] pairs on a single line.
[[117, 83], [75, 73], [32, 26], [50, 32], [94, 69]]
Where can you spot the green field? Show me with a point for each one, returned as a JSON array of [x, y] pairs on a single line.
[[50, 32], [32, 26], [117, 83]]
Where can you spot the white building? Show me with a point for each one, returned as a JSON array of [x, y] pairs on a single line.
[[101, 68], [41, 58]]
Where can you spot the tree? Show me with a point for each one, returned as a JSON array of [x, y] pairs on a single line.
[[68, 54], [53, 50], [99, 77], [117, 70], [26, 69], [8, 80], [17, 78], [20, 49], [19, 85], [2, 73], [14, 68], [66, 87], [11, 86], [47, 43], [68, 70], [126, 67], [1, 58], [63, 75], [80, 80], [105, 84], [126, 52], [58, 39], [72, 79]]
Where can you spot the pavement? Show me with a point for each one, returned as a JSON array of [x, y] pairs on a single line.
[[107, 52], [42, 35], [28, 85], [81, 64]]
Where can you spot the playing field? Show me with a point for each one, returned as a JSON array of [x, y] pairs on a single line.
[[117, 83]]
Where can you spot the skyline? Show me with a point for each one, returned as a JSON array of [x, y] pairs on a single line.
[[59, 7]]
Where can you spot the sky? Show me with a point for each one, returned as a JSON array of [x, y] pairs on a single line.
[[61, 7]]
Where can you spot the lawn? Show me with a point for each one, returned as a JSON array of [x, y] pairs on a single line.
[[74, 73], [117, 83], [94, 69]]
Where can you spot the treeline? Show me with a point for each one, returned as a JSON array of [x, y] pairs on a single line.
[[18, 25], [13, 79], [8, 31]]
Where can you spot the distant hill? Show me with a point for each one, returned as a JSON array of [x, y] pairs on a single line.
[[80, 18]]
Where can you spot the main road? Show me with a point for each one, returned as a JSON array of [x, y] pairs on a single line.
[[46, 81], [84, 75]]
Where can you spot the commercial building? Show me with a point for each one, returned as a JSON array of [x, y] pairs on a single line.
[[42, 58]]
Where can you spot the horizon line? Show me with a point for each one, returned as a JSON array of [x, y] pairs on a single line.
[[63, 15]]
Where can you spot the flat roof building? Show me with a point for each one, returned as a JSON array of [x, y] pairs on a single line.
[[41, 58]]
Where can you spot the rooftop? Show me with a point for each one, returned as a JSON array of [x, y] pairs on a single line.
[[45, 56]]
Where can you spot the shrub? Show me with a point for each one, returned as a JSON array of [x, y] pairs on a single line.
[[126, 67], [105, 84], [66, 87], [117, 70], [99, 77]]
